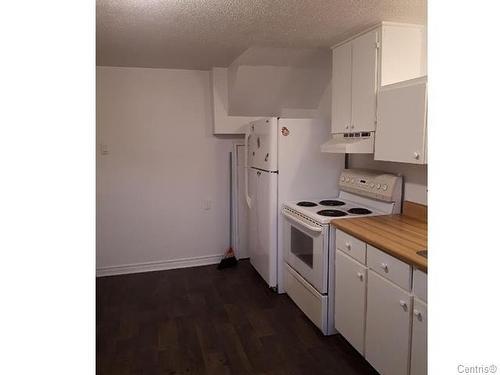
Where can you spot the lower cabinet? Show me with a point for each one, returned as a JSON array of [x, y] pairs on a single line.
[[380, 307], [388, 320], [419, 339], [350, 300]]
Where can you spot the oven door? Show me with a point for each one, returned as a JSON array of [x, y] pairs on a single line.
[[305, 247]]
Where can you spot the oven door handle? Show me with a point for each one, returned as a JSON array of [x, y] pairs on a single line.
[[297, 221]]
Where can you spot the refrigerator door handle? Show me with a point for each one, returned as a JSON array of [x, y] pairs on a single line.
[[248, 199]]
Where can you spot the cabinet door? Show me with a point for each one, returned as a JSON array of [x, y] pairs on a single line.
[[364, 82], [402, 116], [341, 89], [350, 299], [419, 339], [388, 310]]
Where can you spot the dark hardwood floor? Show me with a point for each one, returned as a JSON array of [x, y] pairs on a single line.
[[204, 321]]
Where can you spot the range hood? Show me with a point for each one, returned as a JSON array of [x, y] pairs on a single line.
[[350, 143]]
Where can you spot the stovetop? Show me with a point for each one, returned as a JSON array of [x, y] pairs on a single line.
[[324, 210]]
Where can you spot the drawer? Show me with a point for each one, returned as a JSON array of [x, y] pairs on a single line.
[[389, 267], [351, 246], [313, 304], [420, 284]]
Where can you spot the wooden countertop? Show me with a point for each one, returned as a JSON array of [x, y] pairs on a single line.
[[398, 235]]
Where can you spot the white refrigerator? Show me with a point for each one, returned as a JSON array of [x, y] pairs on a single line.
[[283, 163]]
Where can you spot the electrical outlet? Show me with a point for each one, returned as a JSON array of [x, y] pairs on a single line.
[[104, 149], [207, 204]]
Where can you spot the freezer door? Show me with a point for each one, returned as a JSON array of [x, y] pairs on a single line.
[[262, 245], [263, 144]]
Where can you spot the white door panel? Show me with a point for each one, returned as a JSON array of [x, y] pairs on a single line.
[[364, 81], [419, 339], [388, 309], [263, 224], [241, 219], [263, 144], [350, 300], [341, 88], [252, 214], [402, 116]]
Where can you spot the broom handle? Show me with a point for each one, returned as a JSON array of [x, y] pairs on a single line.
[[230, 199]]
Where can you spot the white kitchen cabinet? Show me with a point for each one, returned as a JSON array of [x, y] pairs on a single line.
[[350, 299], [403, 52], [420, 284], [419, 339], [354, 84], [364, 82], [381, 55], [341, 89], [402, 122], [388, 319]]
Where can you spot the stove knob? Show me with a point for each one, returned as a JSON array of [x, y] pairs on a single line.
[[372, 185], [378, 186], [342, 179], [384, 187]]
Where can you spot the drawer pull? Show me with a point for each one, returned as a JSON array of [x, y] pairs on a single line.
[[360, 276], [385, 267], [404, 305], [348, 246], [418, 315]]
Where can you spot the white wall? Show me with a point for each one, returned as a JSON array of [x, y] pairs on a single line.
[[415, 176], [163, 163]]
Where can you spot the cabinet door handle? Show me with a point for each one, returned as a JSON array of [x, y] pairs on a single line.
[[360, 276], [418, 315], [404, 305], [348, 246], [416, 155], [385, 267]]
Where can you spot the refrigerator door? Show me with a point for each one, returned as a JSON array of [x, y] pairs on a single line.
[[262, 244], [263, 144]]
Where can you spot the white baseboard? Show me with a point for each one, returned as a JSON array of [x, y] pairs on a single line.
[[158, 265]]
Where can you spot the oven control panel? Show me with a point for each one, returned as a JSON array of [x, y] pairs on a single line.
[[378, 185]]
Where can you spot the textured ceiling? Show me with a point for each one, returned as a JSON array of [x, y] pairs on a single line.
[[199, 34]]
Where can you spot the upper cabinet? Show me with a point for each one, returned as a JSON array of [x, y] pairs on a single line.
[[364, 81], [383, 55], [355, 84], [403, 52], [341, 89], [402, 122]]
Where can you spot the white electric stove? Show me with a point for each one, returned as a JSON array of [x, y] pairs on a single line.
[[309, 240]]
